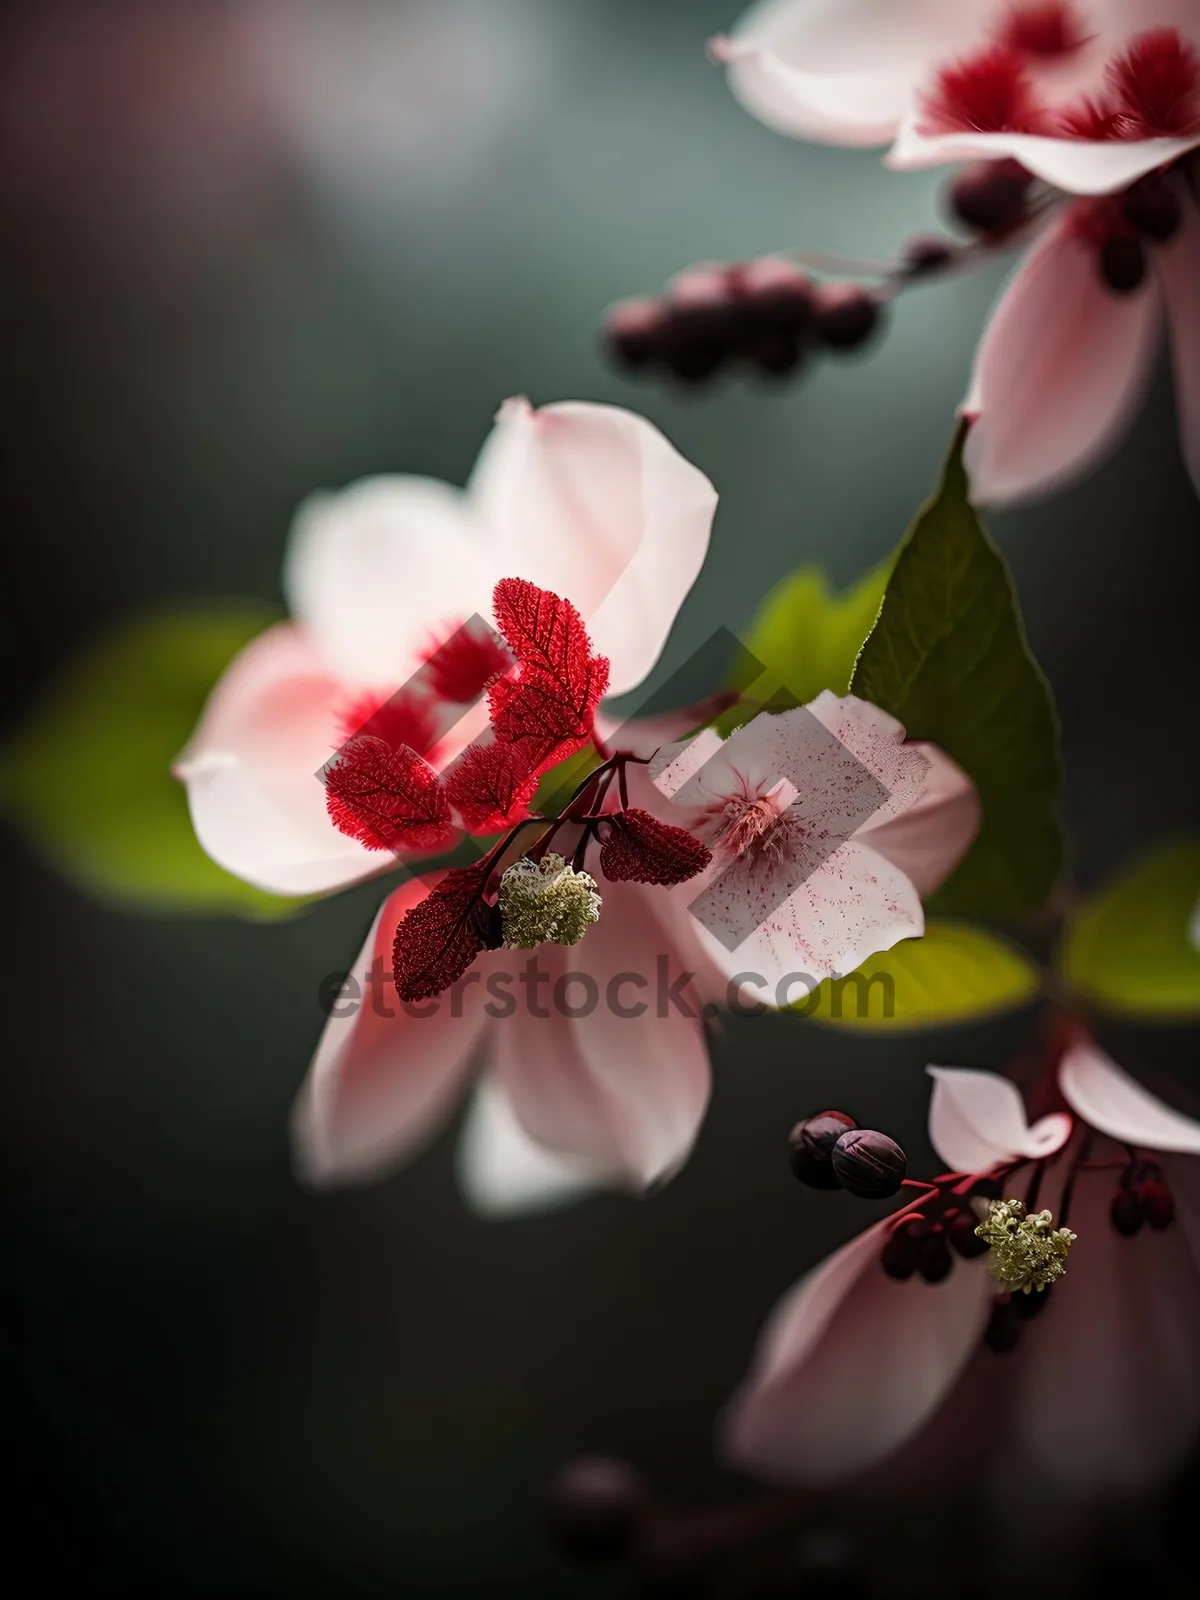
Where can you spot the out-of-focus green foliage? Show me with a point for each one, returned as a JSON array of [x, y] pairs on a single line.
[[88, 777], [956, 974], [807, 638], [1127, 949], [948, 657]]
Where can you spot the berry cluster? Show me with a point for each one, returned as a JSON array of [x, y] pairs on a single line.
[[831, 1151], [766, 314]]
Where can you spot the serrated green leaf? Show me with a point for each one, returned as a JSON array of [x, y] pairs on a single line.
[[88, 777], [956, 974], [807, 638], [948, 657], [1127, 949]]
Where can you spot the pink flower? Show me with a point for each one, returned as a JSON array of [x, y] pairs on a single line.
[[1091, 1388], [826, 830], [594, 1060], [588, 501], [1100, 100]]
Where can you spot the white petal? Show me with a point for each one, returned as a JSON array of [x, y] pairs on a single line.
[[253, 771], [930, 838], [502, 1172], [1178, 265], [842, 70], [1062, 366], [851, 1364], [1077, 166], [978, 1118], [381, 570], [1111, 1101], [385, 1075], [593, 503]]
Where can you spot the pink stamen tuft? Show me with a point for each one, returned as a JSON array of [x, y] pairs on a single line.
[[402, 720], [985, 93], [1042, 28], [1156, 86], [465, 661]]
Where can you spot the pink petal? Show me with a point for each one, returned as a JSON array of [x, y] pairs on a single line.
[[851, 1364], [376, 570], [385, 1075], [876, 741], [252, 771], [592, 502], [929, 839], [978, 1118], [1109, 1100], [623, 1094], [1077, 166], [843, 72], [502, 1172], [1178, 265], [852, 905], [1061, 368], [1107, 1400]]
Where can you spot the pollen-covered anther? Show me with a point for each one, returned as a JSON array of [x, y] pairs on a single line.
[[1024, 1252], [546, 902]]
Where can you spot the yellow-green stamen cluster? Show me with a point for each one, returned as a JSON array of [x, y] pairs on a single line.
[[546, 902], [1025, 1252]]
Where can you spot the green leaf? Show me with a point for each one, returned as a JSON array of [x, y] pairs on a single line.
[[88, 778], [948, 657], [807, 639], [1127, 949], [956, 974]]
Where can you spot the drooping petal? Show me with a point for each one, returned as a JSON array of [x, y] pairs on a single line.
[[767, 931], [377, 570], [502, 1172], [1110, 1100], [978, 1118], [1060, 370], [615, 1072], [1077, 166], [385, 1074], [1178, 266], [253, 771], [592, 503], [843, 71], [851, 1364], [930, 838], [1106, 1401]]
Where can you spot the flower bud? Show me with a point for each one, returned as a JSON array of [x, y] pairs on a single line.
[[1127, 1214], [812, 1143], [869, 1164], [597, 1509], [1158, 1203], [991, 196], [1122, 263], [846, 315]]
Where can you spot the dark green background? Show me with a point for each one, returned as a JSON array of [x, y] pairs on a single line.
[[220, 1382]]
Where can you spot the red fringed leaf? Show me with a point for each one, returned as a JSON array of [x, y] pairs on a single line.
[[641, 849], [387, 797], [546, 707], [490, 786], [439, 938]]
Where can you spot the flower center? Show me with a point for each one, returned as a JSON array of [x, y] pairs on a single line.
[[750, 822], [1044, 28], [1026, 1252], [546, 902]]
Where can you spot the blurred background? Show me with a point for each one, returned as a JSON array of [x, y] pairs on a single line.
[[255, 247]]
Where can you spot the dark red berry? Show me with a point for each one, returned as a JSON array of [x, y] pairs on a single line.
[[1127, 1213], [775, 298], [846, 315], [869, 1164], [990, 197], [901, 1253], [1122, 263], [927, 254], [632, 331], [812, 1143], [1157, 1201], [936, 1261], [1027, 1306], [1152, 206], [960, 1232], [597, 1509]]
